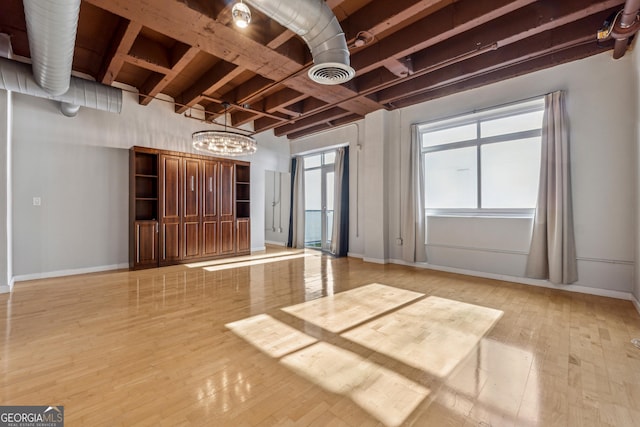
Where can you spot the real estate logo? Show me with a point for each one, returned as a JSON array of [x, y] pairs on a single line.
[[31, 416]]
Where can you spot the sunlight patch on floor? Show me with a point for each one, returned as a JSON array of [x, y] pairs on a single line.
[[433, 335], [341, 311], [388, 396], [238, 259], [255, 262], [270, 335]]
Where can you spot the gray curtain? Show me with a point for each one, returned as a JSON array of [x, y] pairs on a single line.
[[552, 254], [340, 231], [413, 247], [296, 228]]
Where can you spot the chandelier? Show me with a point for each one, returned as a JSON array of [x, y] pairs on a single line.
[[224, 143]]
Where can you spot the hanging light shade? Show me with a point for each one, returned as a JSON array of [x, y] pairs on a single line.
[[241, 15], [224, 143]]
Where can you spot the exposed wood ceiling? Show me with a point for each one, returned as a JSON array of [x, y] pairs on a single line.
[[415, 51]]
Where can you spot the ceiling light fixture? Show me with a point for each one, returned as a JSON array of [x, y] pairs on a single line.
[[241, 14], [224, 143]]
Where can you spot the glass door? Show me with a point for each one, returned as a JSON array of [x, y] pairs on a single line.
[[319, 188]]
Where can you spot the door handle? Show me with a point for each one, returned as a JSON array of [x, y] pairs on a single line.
[[210, 184], [193, 183]]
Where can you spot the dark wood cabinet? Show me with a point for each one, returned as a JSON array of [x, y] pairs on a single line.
[[186, 207]]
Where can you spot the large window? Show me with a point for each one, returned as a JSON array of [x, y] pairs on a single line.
[[484, 163]]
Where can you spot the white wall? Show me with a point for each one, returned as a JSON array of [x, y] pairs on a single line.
[[603, 119], [277, 190], [79, 168], [6, 250], [636, 68]]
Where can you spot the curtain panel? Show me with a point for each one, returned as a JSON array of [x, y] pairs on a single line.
[[552, 254], [340, 231]]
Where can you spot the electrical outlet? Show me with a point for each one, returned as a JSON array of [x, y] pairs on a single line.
[[399, 241], [37, 201]]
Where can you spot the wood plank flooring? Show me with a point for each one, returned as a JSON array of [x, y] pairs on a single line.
[[301, 339]]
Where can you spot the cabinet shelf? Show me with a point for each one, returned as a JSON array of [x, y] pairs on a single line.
[[141, 175]]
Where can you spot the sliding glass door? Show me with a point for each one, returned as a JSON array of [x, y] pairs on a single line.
[[319, 187]]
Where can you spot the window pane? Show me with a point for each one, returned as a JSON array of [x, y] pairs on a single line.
[[451, 178], [312, 190], [510, 174], [330, 189], [449, 135], [511, 124], [329, 158], [312, 161]]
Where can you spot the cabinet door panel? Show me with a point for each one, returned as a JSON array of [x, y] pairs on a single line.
[[210, 238], [171, 243], [170, 209], [227, 241], [210, 190], [243, 236], [226, 190], [146, 244], [191, 239], [191, 212]]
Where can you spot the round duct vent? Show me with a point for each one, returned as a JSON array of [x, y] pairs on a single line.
[[331, 73]]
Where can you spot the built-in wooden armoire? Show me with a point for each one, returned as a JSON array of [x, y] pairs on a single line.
[[185, 207]]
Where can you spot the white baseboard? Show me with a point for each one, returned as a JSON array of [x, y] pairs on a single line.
[[259, 249], [71, 272], [635, 302], [524, 280], [5, 289], [376, 260], [353, 255], [272, 243]]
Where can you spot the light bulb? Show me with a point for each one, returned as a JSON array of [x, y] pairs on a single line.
[[241, 15]]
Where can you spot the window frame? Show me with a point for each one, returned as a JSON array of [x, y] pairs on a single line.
[[492, 113]]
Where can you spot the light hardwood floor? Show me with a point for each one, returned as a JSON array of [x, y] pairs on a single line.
[[300, 339]]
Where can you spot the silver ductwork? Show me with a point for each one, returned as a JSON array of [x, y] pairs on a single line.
[[17, 77], [314, 21], [51, 27]]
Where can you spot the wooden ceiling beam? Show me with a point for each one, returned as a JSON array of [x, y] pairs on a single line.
[[282, 98], [325, 126], [578, 32], [177, 20], [120, 45], [522, 68], [447, 22], [501, 32], [215, 78], [155, 84], [256, 85], [380, 15], [325, 116]]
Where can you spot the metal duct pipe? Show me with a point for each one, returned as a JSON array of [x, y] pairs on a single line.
[[629, 15], [51, 28], [17, 77], [315, 22]]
